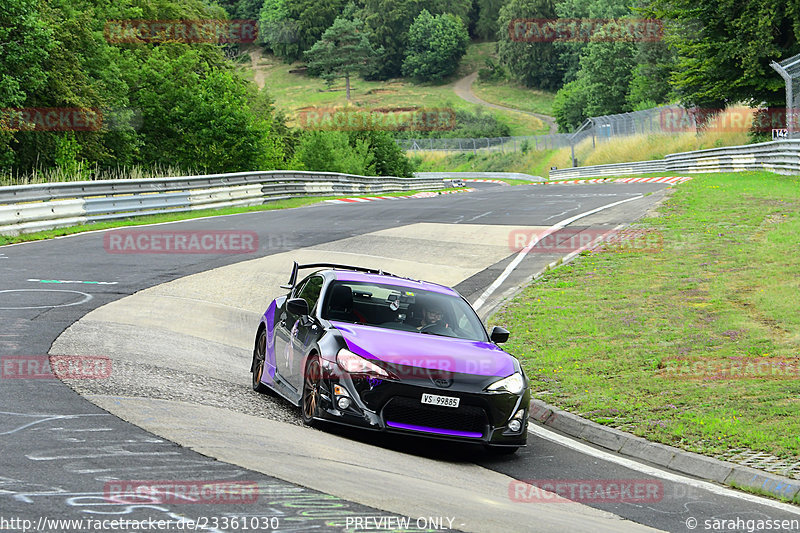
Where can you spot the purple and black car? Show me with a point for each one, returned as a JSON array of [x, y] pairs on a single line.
[[366, 348]]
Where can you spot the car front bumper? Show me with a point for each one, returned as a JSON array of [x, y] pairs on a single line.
[[396, 406]]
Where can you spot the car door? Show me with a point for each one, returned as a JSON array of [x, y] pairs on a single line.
[[284, 323], [304, 330]]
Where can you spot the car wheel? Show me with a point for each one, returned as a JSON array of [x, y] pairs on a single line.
[[312, 378], [259, 356]]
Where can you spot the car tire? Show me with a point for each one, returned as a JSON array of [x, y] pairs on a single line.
[[309, 400], [257, 367]]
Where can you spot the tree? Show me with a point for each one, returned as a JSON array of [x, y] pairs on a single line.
[[344, 50], [607, 70], [533, 64], [570, 51], [435, 46], [290, 27], [26, 43], [486, 23], [278, 31], [724, 48], [390, 20], [650, 82], [569, 106], [201, 120]]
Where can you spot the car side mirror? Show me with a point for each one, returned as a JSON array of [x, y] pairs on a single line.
[[297, 306], [499, 335]]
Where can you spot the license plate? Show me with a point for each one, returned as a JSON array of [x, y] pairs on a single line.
[[444, 401]]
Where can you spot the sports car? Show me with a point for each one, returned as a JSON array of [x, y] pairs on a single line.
[[366, 348]]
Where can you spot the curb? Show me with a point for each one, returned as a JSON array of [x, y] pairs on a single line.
[[669, 457], [667, 179], [424, 194]]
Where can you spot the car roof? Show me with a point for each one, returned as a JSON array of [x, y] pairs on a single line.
[[388, 279]]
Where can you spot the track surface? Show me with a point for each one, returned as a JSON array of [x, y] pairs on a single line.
[[59, 450]]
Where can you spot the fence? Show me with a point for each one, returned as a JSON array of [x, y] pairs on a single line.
[[782, 157], [28, 208], [491, 144], [600, 129]]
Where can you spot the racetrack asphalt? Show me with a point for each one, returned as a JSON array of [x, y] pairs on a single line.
[[181, 351]]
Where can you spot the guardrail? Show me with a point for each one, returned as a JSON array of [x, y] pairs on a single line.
[[479, 175], [782, 157], [37, 207]]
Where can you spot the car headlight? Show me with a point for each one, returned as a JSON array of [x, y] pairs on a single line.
[[513, 384], [355, 364]]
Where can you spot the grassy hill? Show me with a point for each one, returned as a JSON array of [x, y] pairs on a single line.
[[293, 90]]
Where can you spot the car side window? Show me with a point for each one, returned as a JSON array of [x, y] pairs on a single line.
[[311, 291]]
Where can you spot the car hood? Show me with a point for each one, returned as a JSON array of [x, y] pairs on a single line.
[[426, 351]]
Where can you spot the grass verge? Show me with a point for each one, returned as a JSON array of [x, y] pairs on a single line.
[[666, 343], [510, 95], [173, 217]]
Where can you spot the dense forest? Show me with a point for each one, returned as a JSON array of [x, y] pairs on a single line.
[[172, 101]]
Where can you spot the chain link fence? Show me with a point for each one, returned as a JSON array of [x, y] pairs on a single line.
[[659, 120]]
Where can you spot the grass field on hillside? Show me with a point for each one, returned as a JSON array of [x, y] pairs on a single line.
[[512, 95], [294, 91], [693, 341]]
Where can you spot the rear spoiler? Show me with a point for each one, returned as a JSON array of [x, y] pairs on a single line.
[[296, 267]]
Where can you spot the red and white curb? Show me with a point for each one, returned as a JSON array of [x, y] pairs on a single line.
[[475, 180], [666, 179], [362, 199]]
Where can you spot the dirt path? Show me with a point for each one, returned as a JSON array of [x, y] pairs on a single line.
[[259, 76], [463, 88]]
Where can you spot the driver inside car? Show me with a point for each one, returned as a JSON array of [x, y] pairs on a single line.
[[433, 320]]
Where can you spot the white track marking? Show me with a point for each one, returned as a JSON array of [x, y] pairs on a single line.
[[567, 442], [521, 255]]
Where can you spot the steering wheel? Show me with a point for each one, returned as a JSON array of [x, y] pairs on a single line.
[[430, 327]]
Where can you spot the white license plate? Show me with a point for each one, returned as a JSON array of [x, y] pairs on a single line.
[[444, 401]]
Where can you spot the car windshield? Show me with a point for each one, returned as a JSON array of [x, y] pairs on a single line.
[[401, 308]]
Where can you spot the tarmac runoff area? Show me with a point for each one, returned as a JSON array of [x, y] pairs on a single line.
[[181, 353]]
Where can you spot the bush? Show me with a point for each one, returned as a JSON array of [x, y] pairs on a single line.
[[493, 71], [330, 151], [366, 153]]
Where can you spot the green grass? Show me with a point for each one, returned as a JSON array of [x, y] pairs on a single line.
[[475, 58], [599, 336], [511, 95], [172, 217], [293, 91], [531, 162]]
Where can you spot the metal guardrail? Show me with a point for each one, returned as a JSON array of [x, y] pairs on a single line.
[[479, 175], [782, 157], [614, 169], [37, 207]]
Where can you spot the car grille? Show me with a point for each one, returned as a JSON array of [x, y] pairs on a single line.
[[409, 411]]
